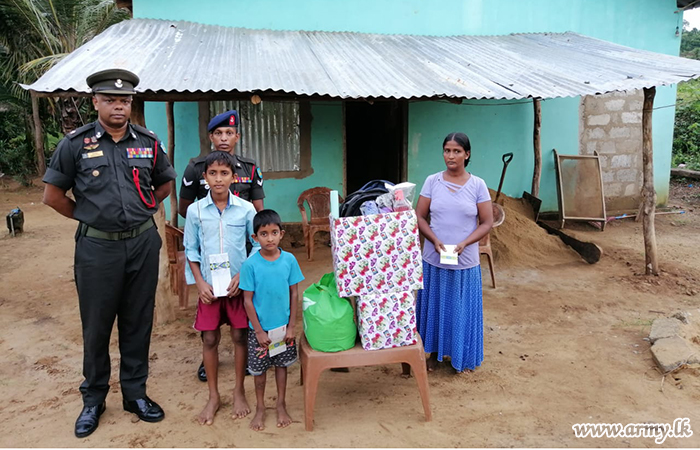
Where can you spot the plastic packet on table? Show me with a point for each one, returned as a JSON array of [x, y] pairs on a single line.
[[408, 189], [385, 202], [369, 207]]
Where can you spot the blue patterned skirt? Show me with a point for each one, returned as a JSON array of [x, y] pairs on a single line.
[[450, 315]]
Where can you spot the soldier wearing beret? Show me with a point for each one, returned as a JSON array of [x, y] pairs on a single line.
[[119, 174], [247, 181], [248, 178]]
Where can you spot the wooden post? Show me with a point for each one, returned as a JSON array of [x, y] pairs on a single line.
[[137, 112], [38, 137], [537, 147], [171, 156], [165, 299], [648, 192]]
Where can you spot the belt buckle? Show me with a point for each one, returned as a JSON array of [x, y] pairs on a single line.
[[126, 234]]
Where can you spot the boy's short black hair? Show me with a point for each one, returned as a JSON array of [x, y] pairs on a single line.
[[223, 158], [266, 217]]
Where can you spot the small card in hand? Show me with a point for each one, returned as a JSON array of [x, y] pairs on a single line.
[[449, 256], [220, 273], [278, 344]]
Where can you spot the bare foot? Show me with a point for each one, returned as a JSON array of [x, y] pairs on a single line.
[[258, 422], [206, 417], [283, 419], [240, 406], [431, 364]]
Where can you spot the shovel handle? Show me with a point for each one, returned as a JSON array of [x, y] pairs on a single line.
[[507, 158]]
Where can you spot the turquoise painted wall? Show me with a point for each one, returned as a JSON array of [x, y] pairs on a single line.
[[498, 127], [494, 128], [645, 24]]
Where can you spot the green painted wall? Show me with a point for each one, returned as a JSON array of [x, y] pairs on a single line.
[[645, 24]]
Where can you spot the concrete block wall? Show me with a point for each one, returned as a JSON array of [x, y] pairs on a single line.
[[611, 124]]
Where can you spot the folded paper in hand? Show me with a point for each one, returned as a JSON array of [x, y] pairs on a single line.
[[220, 273], [278, 344], [449, 256]]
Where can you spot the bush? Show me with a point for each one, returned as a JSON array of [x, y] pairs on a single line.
[[17, 155], [16, 152], [686, 133]]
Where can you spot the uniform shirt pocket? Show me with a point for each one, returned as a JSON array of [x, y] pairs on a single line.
[[94, 172], [144, 167]]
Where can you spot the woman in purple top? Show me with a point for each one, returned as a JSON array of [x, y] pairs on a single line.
[[450, 318]]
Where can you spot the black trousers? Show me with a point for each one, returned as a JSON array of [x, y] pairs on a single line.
[[116, 280]]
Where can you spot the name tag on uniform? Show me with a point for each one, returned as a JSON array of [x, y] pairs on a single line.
[[132, 153], [93, 154]]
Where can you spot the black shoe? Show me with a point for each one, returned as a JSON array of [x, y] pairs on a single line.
[[145, 408], [88, 420], [201, 373]]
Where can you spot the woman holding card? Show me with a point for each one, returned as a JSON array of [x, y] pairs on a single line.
[[454, 213]]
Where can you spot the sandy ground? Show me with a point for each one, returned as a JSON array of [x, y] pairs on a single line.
[[564, 344]]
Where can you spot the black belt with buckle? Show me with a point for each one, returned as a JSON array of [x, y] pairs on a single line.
[[89, 231]]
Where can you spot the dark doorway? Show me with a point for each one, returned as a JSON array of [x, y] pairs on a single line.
[[375, 147]]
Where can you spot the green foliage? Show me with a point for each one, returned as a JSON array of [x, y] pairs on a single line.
[[690, 43], [686, 133], [17, 144], [35, 35], [16, 157]]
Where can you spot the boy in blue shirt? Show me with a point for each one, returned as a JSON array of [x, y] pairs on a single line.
[[216, 230], [269, 281]]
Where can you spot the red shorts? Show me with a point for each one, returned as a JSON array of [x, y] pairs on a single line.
[[221, 311]]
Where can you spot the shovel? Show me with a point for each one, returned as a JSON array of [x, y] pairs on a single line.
[[499, 214]]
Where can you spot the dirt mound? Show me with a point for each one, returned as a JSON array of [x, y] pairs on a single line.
[[520, 242]]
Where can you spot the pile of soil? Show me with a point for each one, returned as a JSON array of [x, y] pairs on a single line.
[[520, 242]]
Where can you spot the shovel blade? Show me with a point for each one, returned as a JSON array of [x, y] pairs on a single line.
[[534, 202]]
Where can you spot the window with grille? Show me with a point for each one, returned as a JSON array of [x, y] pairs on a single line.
[[271, 133]]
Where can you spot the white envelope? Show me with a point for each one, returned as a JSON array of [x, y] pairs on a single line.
[[220, 269], [449, 256], [277, 335]]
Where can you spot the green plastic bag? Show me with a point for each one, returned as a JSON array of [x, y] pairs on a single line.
[[328, 319]]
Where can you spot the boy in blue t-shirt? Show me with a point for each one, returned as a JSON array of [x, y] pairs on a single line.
[[269, 281]]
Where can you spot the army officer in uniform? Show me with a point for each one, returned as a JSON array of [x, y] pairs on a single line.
[[119, 174], [247, 177]]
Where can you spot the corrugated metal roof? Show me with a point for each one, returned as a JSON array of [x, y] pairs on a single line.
[[177, 56]]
